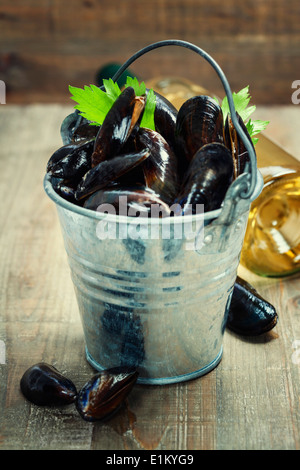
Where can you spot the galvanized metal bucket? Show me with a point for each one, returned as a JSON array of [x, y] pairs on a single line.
[[156, 296]]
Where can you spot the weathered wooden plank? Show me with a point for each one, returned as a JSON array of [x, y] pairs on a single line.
[[36, 72], [95, 18], [46, 46]]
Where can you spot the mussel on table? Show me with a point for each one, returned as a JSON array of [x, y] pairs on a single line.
[[105, 392], [249, 313], [42, 384], [207, 179]]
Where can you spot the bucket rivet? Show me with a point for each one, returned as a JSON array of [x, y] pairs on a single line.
[[208, 239], [238, 226]]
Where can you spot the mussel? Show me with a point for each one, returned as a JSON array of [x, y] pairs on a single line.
[[108, 171], [207, 179], [75, 163], [85, 129], [65, 189], [160, 169], [249, 313], [68, 126], [165, 116], [233, 141], [42, 384], [199, 122], [118, 124], [61, 153], [105, 392], [75, 128], [134, 201]]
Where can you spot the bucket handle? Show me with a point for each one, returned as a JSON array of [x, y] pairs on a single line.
[[252, 175]]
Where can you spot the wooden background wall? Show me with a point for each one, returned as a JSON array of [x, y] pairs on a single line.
[[45, 45]]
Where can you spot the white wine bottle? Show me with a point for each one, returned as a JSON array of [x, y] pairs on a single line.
[[272, 241]]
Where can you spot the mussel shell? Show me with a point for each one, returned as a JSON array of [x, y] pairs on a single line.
[[249, 313], [65, 189], [85, 130], [107, 172], [160, 169], [116, 126], [68, 125], [61, 153], [135, 201], [76, 128], [136, 175], [76, 163], [165, 116], [236, 145], [105, 392], [199, 122], [42, 384], [207, 179]]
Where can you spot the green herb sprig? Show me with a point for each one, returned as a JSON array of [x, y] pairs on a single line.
[[241, 103], [94, 103]]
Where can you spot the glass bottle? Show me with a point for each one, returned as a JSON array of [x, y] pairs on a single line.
[[272, 241], [176, 89]]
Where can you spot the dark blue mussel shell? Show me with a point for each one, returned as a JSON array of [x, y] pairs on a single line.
[[105, 392], [43, 384], [249, 313]]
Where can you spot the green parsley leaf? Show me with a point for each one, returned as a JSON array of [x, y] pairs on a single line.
[[148, 116], [139, 89], [241, 103], [112, 89], [94, 103]]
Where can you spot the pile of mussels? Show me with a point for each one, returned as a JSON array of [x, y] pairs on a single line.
[[191, 158]]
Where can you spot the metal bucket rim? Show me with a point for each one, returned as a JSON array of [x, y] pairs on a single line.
[[59, 200]]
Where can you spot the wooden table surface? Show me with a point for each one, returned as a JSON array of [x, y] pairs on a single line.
[[250, 401]]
